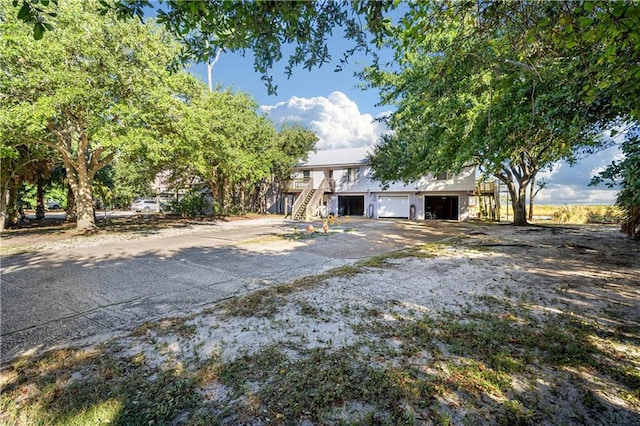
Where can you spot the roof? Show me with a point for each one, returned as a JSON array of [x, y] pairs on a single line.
[[337, 157]]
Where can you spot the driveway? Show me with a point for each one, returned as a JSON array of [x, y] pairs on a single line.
[[86, 290]]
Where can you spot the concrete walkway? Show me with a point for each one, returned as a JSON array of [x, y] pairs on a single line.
[[77, 294]]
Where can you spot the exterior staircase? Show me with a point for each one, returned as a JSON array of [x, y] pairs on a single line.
[[307, 203], [301, 211]]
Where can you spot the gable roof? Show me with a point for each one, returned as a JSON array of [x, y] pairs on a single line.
[[337, 157]]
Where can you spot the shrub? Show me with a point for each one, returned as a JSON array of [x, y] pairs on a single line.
[[191, 205], [571, 214]]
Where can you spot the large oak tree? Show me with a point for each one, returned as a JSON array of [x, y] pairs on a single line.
[[90, 90], [475, 85]]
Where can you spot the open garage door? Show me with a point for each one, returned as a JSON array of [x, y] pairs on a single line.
[[393, 207], [352, 205], [444, 207]]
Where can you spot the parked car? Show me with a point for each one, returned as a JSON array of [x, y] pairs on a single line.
[[54, 205], [146, 205]]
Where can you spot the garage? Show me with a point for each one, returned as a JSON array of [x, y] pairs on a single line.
[[442, 207], [352, 205], [393, 207]]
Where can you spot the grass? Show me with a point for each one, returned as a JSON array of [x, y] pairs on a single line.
[[78, 388], [265, 302], [318, 384], [578, 214], [499, 364]]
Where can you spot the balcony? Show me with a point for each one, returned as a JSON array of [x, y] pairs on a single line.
[[297, 185], [485, 188]]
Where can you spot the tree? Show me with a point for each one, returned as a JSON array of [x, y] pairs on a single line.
[[597, 43], [626, 175], [91, 89], [604, 38], [21, 161], [471, 91], [535, 187], [262, 27], [221, 140]]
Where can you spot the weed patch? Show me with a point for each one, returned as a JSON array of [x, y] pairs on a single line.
[[317, 384], [265, 303], [103, 389]]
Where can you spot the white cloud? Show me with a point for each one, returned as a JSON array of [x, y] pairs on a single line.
[[576, 195], [568, 184], [336, 120]]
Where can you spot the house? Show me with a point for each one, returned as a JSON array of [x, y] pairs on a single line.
[[339, 182]]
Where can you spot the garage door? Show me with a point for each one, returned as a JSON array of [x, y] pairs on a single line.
[[352, 205], [442, 207], [393, 207]]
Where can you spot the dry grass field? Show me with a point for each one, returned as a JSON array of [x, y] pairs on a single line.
[[572, 214]]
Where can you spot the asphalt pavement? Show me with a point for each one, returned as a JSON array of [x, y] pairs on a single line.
[[76, 295]]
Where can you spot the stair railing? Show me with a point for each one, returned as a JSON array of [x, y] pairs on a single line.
[[300, 199], [316, 199]]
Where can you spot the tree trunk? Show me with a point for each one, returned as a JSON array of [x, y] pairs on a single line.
[[40, 199], [519, 205], [86, 220], [518, 195], [4, 193], [12, 213], [71, 205], [532, 194]]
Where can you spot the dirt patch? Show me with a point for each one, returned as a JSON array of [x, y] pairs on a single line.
[[52, 233]]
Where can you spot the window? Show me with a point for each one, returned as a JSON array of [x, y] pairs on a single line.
[[306, 174], [443, 176], [352, 174]]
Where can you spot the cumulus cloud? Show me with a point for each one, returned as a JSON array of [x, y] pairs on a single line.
[[568, 184], [336, 120], [586, 168], [576, 195]]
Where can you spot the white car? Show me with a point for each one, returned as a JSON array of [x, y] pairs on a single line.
[[54, 205], [145, 205]]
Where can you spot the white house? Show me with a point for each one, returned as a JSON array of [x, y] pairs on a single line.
[[339, 182]]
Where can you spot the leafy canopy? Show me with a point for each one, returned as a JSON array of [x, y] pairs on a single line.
[[262, 27]]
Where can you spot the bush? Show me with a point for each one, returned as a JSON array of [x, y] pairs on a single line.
[[571, 214], [191, 205], [604, 214]]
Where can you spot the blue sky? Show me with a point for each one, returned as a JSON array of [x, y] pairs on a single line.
[[342, 114]]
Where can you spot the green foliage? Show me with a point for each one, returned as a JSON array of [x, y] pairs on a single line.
[[261, 27], [192, 204], [222, 141], [471, 89], [292, 145], [92, 88], [626, 174]]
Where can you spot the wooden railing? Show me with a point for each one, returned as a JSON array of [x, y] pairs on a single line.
[[303, 195], [327, 185], [486, 187], [299, 184], [316, 199]]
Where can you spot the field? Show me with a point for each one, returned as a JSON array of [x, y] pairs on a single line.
[[572, 214]]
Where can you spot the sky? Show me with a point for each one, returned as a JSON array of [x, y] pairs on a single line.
[[343, 115]]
